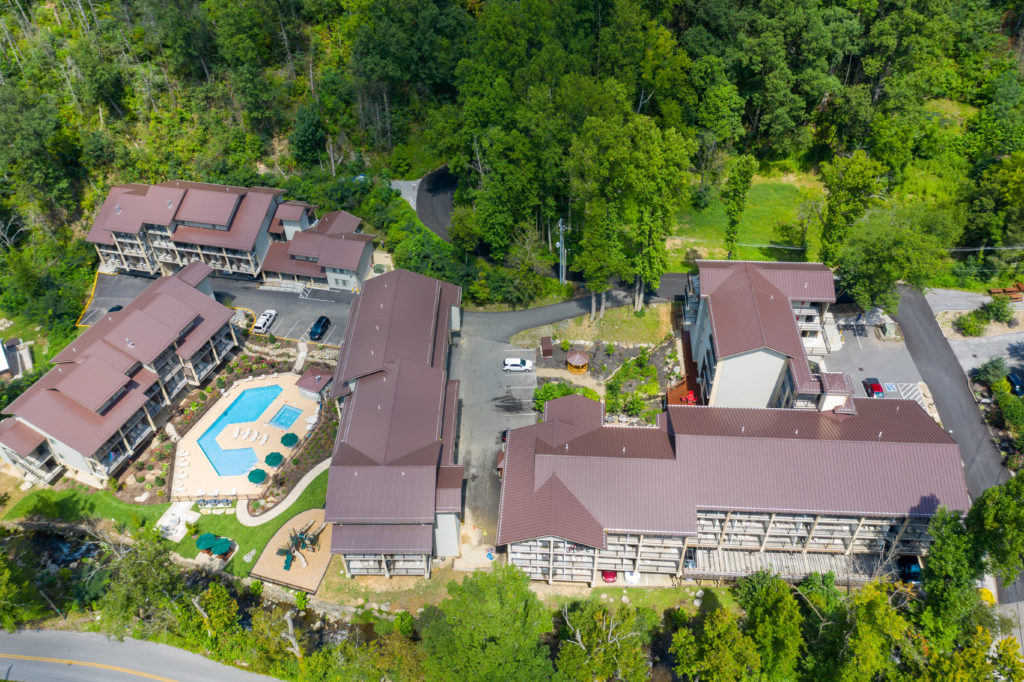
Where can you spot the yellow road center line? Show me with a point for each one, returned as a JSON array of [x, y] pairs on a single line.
[[88, 664]]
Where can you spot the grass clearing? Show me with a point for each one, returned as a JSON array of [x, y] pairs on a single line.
[[619, 325], [407, 593], [770, 221], [956, 112], [659, 599], [78, 504], [255, 537]]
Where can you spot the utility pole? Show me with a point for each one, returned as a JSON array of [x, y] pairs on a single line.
[[561, 251]]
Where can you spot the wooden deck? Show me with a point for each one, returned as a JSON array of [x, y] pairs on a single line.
[[270, 567], [793, 566]]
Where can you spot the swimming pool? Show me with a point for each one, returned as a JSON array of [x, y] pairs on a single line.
[[285, 417], [247, 407]]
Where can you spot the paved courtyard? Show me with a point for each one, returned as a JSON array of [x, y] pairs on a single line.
[[864, 355], [194, 474]]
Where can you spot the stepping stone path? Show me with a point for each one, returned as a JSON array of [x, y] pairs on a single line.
[[248, 557], [143, 497]]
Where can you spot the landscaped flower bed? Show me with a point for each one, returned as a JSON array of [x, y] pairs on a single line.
[[316, 447]]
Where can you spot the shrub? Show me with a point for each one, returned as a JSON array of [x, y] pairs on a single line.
[[992, 371], [634, 405], [404, 623], [203, 397], [301, 601], [609, 349], [650, 388], [160, 481], [256, 588], [139, 478], [999, 309], [150, 467], [1012, 410], [271, 338], [644, 358], [566, 345], [971, 324], [560, 389], [220, 382]]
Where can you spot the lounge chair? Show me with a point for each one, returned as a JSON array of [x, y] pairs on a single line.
[[181, 475], [234, 491], [245, 433], [237, 429], [255, 436], [183, 464], [200, 492], [263, 439], [180, 488]]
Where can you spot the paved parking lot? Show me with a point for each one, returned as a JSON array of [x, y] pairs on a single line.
[[296, 311], [491, 401], [864, 355]]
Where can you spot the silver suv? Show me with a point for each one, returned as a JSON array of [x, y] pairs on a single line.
[[262, 325]]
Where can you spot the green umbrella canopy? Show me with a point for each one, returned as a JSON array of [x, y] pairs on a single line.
[[289, 439], [257, 476], [274, 459], [206, 540], [221, 546]]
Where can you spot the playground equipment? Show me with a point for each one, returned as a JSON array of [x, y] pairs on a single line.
[[301, 540]]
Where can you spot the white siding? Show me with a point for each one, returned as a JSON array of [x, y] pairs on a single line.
[[748, 379]]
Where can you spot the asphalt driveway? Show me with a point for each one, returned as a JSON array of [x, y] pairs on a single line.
[[434, 201], [491, 401], [296, 311]]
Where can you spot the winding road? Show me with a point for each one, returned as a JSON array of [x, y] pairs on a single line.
[[47, 655], [434, 200]]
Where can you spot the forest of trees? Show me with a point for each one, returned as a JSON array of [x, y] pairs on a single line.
[[908, 115]]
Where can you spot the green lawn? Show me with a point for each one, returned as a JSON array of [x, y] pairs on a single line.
[[75, 505], [770, 218], [660, 599], [227, 525]]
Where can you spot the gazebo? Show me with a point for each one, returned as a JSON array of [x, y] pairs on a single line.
[[577, 361]]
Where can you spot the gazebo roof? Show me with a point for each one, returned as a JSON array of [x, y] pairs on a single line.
[[577, 358]]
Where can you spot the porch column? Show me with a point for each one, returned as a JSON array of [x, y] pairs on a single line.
[[899, 536], [856, 531], [384, 563], [810, 535], [767, 531], [231, 328], [639, 547], [725, 525], [551, 561], [344, 563], [593, 573], [426, 561], [213, 349]]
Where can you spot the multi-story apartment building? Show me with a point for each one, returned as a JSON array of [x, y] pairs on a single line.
[[394, 490], [237, 231], [718, 493], [754, 329], [107, 392]]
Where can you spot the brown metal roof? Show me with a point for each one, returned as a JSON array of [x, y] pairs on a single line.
[[888, 459], [279, 260], [344, 253], [399, 417], [249, 219], [194, 273], [797, 281], [209, 205], [837, 383], [315, 378], [398, 315], [577, 358], [288, 210], [65, 408], [382, 539], [127, 207], [337, 222], [448, 497], [376, 494], [90, 381], [19, 437]]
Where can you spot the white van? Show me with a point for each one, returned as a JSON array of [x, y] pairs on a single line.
[[262, 325]]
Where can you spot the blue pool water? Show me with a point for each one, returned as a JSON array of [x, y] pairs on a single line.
[[285, 417], [247, 407]]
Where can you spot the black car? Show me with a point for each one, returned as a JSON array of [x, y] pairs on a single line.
[[319, 328], [1016, 385], [115, 308]]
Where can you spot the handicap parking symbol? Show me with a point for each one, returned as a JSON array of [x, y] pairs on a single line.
[[890, 388]]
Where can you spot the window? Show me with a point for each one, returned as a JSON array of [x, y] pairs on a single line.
[[808, 334]]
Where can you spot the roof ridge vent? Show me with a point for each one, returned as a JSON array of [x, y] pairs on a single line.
[[879, 435], [796, 432], [623, 449], [743, 429]]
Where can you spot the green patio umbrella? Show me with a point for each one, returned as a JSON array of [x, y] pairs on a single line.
[[257, 476], [221, 546], [274, 459], [289, 439], [205, 541]]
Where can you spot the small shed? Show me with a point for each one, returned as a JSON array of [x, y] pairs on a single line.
[[577, 362], [546, 349]]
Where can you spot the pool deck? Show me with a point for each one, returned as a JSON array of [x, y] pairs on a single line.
[[270, 567], [194, 476]]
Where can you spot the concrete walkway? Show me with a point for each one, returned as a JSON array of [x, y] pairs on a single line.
[[579, 379], [408, 189], [247, 519]]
